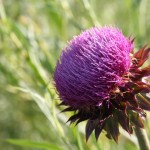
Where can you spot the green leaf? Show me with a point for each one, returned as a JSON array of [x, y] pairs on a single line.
[[33, 144]]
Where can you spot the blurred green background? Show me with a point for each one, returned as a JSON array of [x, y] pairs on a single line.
[[32, 35]]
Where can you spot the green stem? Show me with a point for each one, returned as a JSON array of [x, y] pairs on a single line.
[[142, 138]]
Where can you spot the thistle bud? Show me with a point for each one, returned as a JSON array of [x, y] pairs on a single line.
[[100, 78]]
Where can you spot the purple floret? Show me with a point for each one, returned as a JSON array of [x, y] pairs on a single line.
[[91, 66]]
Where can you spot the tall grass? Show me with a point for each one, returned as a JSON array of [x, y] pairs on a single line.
[[32, 35]]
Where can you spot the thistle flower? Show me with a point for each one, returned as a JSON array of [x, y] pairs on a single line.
[[100, 78]]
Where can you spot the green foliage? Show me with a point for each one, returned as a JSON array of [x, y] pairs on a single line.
[[32, 35], [31, 144]]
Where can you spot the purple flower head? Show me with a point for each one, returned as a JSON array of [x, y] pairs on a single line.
[[101, 78], [92, 65]]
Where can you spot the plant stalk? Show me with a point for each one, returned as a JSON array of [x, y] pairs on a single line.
[[142, 138]]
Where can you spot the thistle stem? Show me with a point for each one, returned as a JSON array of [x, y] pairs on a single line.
[[142, 138]]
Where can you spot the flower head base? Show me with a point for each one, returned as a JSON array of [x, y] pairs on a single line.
[[99, 77]]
